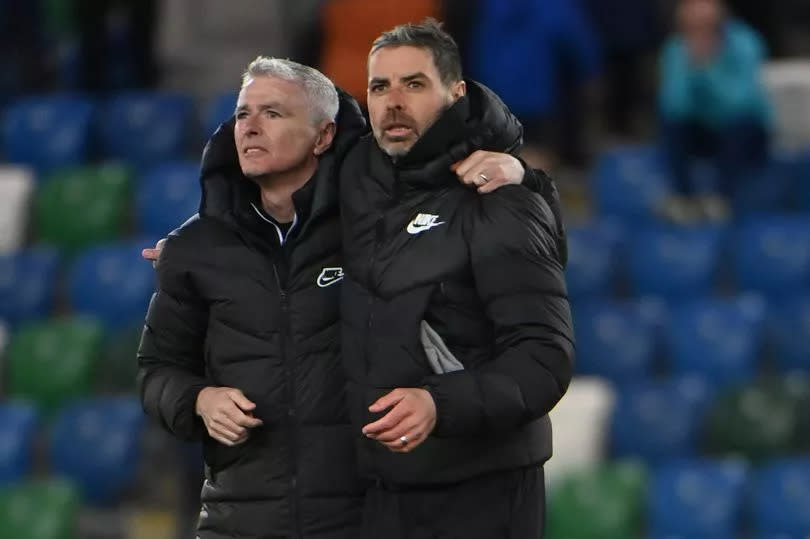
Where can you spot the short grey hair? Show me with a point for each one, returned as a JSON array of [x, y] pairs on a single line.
[[320, 91]]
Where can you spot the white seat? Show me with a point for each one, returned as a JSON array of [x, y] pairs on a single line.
[[787, 83], [579, 424], [17, 186]]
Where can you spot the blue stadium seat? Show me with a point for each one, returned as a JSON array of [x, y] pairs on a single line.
[[789, 332], [781, 502], [97, 444], [220, 110], [18, 429], [631, 182], [145, 128], [27, 284], [675, 263], [697, 500], [615, 340], [167, 195], [772, 255], [767, 190], [112, 283], [48, 132], [717, 338], [592, 263], [803, 181], [657, 420]]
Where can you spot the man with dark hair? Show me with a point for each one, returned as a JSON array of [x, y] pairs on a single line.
[[430, 36], [457, 334]]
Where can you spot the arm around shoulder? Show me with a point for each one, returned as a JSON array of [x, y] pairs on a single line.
[[171, 370]]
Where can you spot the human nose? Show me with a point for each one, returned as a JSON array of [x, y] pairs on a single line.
[[249, 125], [395, 99]]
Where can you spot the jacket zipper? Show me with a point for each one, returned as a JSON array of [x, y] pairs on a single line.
[[292, 434], [379, 238]]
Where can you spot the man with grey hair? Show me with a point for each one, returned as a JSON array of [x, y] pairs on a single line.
[[240, 346]]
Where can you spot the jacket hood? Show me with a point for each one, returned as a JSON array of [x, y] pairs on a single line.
[[225, 188], [477, 121]]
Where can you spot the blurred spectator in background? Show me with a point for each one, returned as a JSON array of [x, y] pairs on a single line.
[[713, 105], [21, 48], [194, 35], [629, 31], [762, 16], [116, 44], [348, 26], [532, 53]]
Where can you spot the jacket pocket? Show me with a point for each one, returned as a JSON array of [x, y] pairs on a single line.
[[219, 456]]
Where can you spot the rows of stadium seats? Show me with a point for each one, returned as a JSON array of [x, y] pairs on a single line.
[[632, 182], [693, 362], [78, 207], [138, 128], [84, 187], [694, 499], [761, 253], [101, 281], [724, 339], [94, 442]]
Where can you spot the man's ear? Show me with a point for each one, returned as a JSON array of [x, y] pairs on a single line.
[[326, 135], [458, 89]]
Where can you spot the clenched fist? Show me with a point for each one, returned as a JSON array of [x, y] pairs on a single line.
[[227, 414]]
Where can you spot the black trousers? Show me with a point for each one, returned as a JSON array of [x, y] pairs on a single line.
[[503, 505]]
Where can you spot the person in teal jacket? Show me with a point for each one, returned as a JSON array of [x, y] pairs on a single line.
[[711, 100]]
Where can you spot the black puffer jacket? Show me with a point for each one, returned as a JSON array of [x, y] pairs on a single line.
[[236, 308], [485, 272]]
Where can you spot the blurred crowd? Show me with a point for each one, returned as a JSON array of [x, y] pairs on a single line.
[[579, 73], [531, 51]]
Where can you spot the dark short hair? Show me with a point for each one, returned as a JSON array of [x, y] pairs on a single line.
[[429, 35]]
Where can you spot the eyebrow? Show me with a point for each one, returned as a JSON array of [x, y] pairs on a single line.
[[415, 76], [406, 79], [263, 106]]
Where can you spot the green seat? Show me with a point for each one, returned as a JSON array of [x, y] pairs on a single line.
[[800, 388], [606, 503], [762, 420], [81, 206], [118, 366], [39, 510], [53, 361]]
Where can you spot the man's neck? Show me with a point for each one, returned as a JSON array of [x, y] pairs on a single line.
[[277, 190]]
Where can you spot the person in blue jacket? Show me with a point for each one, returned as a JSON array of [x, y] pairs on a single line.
[[712, 103], [537, 55]]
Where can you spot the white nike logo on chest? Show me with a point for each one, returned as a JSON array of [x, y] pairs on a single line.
[[422, 222], [329, 276]]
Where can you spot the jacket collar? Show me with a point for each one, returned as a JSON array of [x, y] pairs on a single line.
[[227, 194], [477, 121]]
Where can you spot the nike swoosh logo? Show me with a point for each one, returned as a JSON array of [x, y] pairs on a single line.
[[416, 229], [329, 276], [326, 281]]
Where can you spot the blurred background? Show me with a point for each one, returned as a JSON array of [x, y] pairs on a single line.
[[679, 135]]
